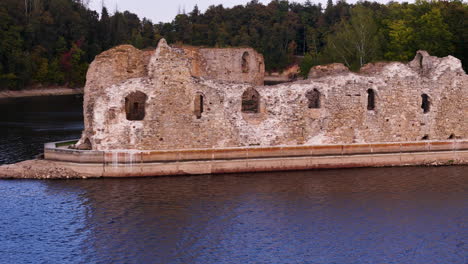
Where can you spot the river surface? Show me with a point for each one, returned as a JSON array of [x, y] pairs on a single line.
[[27, 123], [373, 215]]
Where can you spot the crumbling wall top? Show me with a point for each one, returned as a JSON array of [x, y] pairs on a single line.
[[116, 65], [423, 65], [240, 65], [327, 70]]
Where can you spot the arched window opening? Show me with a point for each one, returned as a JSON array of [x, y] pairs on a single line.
[[314, 98], [245, 62], [426, 137], [135, 105], [426, 103], [370, 99], [250, 101], [198, 104], [452, 136]]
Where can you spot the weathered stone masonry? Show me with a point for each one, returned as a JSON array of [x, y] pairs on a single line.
[[186, 97]]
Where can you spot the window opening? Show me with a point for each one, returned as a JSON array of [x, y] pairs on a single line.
[[426, 104], [250, 101], [370, 99], [245, 62], [314, 98], [135, 106], [198, 105]]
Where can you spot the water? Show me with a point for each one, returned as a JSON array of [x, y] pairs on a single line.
[[384, 215], [27, 123]]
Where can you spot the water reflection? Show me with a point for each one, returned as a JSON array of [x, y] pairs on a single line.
[[27, 123], [391, 215]]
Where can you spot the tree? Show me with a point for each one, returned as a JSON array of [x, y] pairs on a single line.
[[183, 28], [357, 41], [421, 26], [306, 63], [433, 34], [401, 36], [455, 14], [12, 59], [71, 34], [104, 29]]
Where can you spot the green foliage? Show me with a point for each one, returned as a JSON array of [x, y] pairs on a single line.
[[78, 67], [40, 75], [8, 81], [306, 63], [53, 41], [401, 37], [433, 34], [419, 26], [54, 74], [455, 14]]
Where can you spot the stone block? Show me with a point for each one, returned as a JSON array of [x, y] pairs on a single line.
[[326, 150], [381, 160], [415, 147], [439, 146], [160, 156], [122, 170], [385, 147], [461, 145], [357, 149], [81, 156], [159, 169], [194, 167], [122, 157], [234, 153], [195, 154], [229, 166]]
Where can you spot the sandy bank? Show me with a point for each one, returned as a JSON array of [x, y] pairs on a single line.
[[40, 92], [39, 169]]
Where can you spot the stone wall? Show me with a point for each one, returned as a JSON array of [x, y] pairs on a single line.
[[241, 65], [173, 78], [289, 74], [110, 67]]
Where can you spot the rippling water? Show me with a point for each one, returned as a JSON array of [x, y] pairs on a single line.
[[27, 123], [384, 215], [390, 215]]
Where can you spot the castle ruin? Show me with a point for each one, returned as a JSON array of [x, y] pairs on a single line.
[[186, 97]]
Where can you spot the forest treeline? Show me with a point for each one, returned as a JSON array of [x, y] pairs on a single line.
[[52, 42]]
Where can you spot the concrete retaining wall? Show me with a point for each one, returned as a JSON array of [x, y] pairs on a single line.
[[127, 163], [51, 152]]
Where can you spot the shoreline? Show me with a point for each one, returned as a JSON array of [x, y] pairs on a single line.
[[35, 92], [40, 169], [64, 163]]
